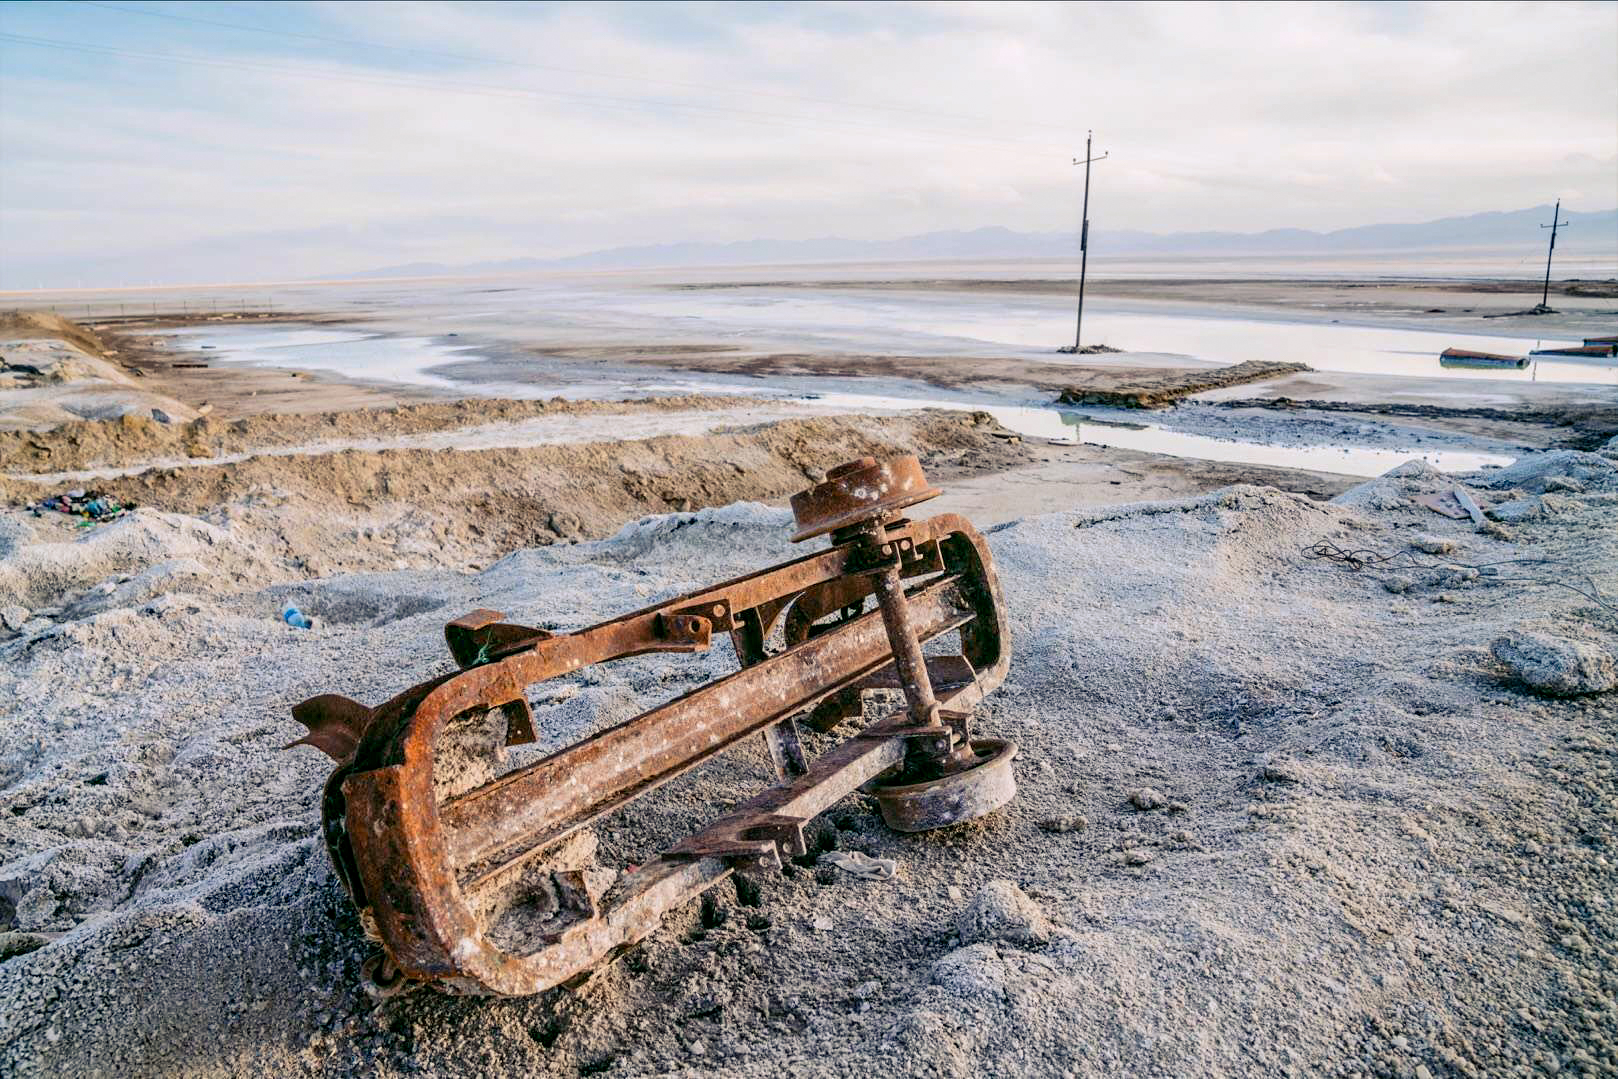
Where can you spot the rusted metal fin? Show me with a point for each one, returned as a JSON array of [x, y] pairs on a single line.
[[519, 723], [746, 835], [483, 635], [336, 725]]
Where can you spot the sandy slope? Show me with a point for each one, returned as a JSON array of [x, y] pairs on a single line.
[[53, 371], [1378, 853]]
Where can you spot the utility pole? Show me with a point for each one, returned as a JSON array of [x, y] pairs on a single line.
[[1084, 238], [1556, 223]]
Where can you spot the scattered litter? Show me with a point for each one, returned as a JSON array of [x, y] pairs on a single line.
[[92, 507], [862, 865], [296, 618]]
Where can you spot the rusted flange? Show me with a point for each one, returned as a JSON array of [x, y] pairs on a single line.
[[961, 796], [860, 491]]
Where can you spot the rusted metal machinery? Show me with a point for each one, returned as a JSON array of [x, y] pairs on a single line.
[[487, 883]]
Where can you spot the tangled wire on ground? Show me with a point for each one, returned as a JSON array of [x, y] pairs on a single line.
[[1359, 558]]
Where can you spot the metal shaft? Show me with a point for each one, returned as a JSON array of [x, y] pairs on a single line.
[[907, 655]]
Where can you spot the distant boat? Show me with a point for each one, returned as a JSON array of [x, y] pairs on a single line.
[[1465, 357]]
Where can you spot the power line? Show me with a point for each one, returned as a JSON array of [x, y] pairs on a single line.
[[560, 69], [489, 90]]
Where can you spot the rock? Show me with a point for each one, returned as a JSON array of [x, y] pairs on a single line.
[[1517, 510], [1060, 825], [1281, 771], [1145, 799], [1137, 857], [1398, 583], [1432, 544], [1553, 504], [161, 417], [1001, 911], [1556, 666], [824, 924], [1563, 483], [14, 617]]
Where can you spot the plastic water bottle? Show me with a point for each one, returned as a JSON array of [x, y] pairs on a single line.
[[296, 618]]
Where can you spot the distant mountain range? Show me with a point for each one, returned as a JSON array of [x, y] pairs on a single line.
[[1512, 230]]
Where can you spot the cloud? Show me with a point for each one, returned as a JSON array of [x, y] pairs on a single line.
[[491, 131]]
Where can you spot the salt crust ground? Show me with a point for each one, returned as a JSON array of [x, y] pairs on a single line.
[[1376, 854]]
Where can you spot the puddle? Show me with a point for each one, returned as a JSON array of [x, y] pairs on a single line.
[[359, 354], [351, 353], [952, 323]]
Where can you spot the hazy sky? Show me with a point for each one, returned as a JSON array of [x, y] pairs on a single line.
[[262, 140]]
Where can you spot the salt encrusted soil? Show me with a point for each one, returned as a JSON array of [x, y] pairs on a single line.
[[319, 513], [1277, 815]]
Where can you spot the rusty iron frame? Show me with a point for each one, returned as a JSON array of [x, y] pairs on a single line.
[[432, 872]]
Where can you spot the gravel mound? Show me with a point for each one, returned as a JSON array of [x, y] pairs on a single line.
[[1003, 912]]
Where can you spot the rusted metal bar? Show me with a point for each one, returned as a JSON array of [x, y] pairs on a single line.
[[487, 883]]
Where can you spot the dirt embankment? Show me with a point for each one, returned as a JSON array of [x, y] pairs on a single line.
[[22, 324], [133, 439], [1587, 427], [1158, 389], [355, 509]]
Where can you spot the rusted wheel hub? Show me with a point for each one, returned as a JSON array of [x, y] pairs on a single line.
[[860, 491], [960, 796]]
